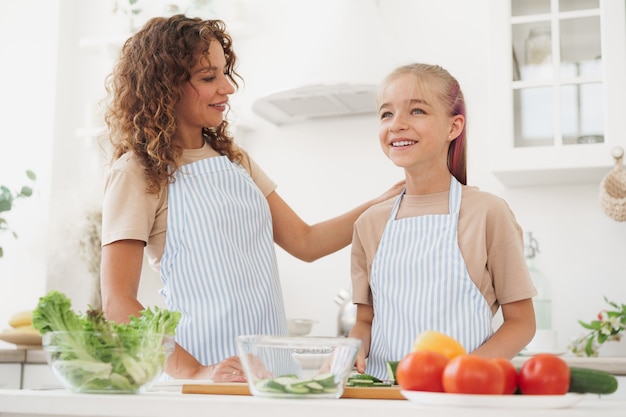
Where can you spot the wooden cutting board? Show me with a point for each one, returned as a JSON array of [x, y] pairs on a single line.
[[238, 388]]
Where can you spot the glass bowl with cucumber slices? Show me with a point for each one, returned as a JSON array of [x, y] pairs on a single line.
[[297, 367]]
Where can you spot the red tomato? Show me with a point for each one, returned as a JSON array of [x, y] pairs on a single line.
[[510, 374], [421, 371], [544, 374], [470, 374]]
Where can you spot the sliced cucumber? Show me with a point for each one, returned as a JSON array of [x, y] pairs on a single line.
[[326, 380], [315, 386], [321, 384], [364, 377], [262, 385], [296, 389], [365, 380], [391, 370], [280, 383], [360, 383]]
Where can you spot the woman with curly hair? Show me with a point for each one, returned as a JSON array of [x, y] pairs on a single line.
[[206, 214]]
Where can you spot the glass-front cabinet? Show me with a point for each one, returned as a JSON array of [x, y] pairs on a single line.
[[558, 84]]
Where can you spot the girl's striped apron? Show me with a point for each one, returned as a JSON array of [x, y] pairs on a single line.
[[419, 282], [219, 265]]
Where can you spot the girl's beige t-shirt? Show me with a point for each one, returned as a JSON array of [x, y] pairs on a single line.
[[129, 212], [490, 240]]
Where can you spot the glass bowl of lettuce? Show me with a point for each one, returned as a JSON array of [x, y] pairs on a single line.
[[114, 363], [90, 354]]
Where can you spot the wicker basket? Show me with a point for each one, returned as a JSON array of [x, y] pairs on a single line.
[[613, 189]]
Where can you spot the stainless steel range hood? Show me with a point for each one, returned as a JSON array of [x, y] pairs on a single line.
[[317, 101]]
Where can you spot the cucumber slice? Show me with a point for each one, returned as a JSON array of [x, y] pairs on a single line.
[[265, 385], [315, 387], [391, 370], [321, 384], [359, 383], [296, 389], [364, 377], [327, 380], [280, 383]]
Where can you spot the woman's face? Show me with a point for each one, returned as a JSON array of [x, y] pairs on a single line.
[[205, 96], [415, 128]]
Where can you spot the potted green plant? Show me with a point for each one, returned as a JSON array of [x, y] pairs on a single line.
[[609, 326], [7, 198]]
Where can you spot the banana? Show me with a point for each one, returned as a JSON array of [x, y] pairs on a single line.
[[22, 318], [28, 329]]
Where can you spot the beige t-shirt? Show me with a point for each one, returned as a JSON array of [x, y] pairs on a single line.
[[129, 212], [490, 240]]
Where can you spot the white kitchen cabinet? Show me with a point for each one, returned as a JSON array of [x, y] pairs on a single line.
[[10, 375], [556, 89], [39, 375]]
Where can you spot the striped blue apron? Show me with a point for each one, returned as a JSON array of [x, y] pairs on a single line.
[[419, 282], [219, 265]]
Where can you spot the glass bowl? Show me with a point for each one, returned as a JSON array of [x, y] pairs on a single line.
[[110, 363], [297, 367]]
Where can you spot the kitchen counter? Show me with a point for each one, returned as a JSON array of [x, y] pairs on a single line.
[[21, 355], [41, 403], [25, 368], [613, 365], [12, 355]]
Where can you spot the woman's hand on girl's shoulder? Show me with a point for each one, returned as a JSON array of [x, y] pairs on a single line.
[[394, 191]]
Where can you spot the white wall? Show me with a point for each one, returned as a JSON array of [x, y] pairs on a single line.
[[28, 45], [325, 167], [328, 166]]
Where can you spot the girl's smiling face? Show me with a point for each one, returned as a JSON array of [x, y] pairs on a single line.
[[415, 127]]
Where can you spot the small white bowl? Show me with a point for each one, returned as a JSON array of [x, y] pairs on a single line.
[[299, 327]]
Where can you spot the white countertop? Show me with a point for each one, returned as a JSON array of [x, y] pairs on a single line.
[[30, 403], [22, 355], [614, 365]]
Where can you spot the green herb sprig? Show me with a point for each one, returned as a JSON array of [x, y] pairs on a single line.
[[7, 198], [608, 326]]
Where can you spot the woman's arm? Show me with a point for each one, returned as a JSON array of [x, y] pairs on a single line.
[[120, 275], [516, 331], [120, 271], [311, 242], [362, 329]]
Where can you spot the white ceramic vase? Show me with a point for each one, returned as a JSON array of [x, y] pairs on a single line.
[[613, 349]]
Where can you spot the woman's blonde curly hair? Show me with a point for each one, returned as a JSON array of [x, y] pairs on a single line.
[[146, 85]]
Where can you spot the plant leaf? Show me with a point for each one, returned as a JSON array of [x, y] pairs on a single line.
[[594, 325], [589, 347], [26, 191]]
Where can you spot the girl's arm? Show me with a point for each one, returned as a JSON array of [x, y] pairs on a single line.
[[363, 330], [516, 331]]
